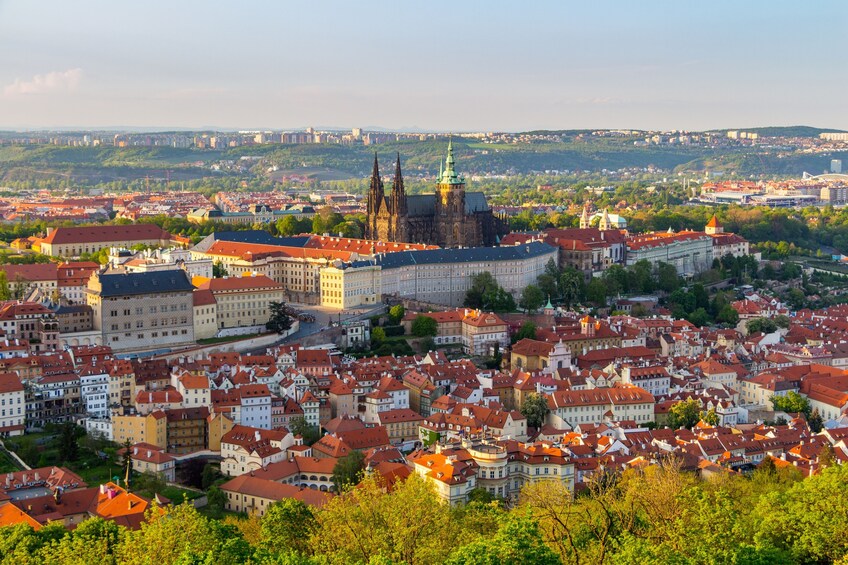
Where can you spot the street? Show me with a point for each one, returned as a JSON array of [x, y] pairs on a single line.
[[323, 317]]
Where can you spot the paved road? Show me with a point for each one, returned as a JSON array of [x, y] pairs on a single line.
[[323, 317]]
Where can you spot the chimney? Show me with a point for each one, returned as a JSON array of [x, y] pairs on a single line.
[[102, 489]]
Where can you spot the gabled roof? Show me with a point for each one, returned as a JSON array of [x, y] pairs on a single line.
[[99, 234], [153, 282]]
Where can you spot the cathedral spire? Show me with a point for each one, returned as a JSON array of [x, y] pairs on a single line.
[[375, 192], [584, 219], [398, 192], [449, 176]]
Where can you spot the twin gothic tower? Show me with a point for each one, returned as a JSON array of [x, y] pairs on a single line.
[[451, 217]]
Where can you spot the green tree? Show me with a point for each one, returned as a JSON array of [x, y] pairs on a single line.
[[348, 229], [702, 298], [782, 321], [216, 501], [290, 225], [68, 442], [572, 286], [209, 475], [481, 283], [347, 471], [288, 525], [699, 317], [279, 321], [815, 421], [480, 495], [300, 427], [219, 270], [757, 325], [517, 542], [423, 326], [325, 220], [127, 463], [728, 315], [596, 292], [791, 403], [535, 409], [378, 336], [531, 298], [667, 279], [526, 331], [5, 293], [710, 417], [684, 414], [396, 313]]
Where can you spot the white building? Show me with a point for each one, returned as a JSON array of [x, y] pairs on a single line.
[[94, 392], [443, 276], [12, 405], [245, 449]]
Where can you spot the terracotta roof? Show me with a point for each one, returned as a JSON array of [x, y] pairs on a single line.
[[271, 490], [532, 347], [99, 234], [10, 382], [203, 297], [35, 272]]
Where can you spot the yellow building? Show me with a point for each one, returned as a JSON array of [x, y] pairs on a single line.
[[219, 424], [350, 285], [152, 429], [243, 301]]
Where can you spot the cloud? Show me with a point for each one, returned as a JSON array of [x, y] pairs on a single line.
[[57, 81]]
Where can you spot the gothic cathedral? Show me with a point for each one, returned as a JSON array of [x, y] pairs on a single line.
[[451, 217]]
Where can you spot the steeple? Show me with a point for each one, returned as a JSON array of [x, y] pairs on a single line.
[[398, 192], [449, 176], [375, 192], [604, 224], [584, 219]]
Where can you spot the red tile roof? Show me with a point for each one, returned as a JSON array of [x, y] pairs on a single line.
[[100, 234]]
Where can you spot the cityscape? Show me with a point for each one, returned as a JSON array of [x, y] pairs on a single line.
[[516, 332]]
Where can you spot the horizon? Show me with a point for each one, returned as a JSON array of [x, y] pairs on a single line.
[[378, 129], [438, 67]]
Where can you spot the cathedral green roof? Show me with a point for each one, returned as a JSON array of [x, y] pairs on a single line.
[[449, 175]]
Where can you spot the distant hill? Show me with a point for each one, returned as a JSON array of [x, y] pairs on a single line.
[[787, 131]]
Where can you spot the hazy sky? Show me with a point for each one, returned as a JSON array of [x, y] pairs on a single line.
[[438, 65]]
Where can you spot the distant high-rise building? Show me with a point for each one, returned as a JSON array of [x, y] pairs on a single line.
[[836, 166], [356, 132]]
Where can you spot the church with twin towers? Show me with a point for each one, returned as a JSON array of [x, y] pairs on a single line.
[[451, 217]]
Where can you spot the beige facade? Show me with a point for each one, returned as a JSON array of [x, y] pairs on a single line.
[[152, 429], [142, 311], [299, 276], [243, 301], [689, 252], [358, 284], [205, 315], [443, 276]]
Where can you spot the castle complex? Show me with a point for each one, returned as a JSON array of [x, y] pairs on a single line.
[[451, 217]]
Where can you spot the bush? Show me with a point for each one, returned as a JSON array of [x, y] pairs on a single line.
[[392, 331]]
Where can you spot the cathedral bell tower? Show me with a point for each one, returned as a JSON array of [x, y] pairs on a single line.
[[399, 226], [450, 205], [376, 198]]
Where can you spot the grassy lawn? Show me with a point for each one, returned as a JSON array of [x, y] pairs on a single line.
[[177, 495], [7, 464]]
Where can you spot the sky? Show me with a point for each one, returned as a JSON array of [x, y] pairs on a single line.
[[431, 65]]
